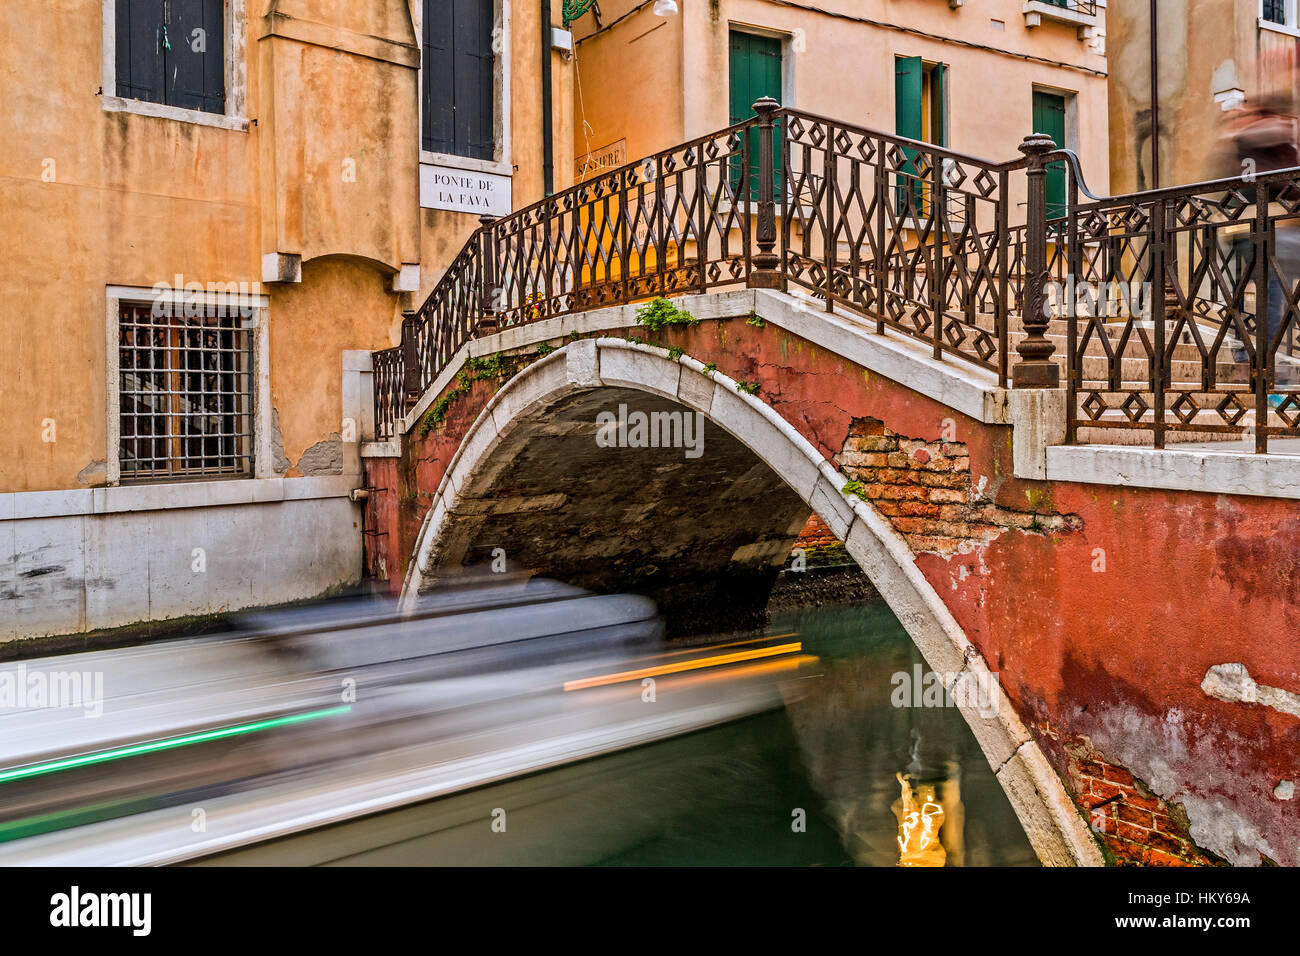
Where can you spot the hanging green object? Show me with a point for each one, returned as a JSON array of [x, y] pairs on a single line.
[[573, 9]]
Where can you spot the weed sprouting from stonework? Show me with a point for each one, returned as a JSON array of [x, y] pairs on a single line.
[[661, 313], [854, 488], [480, 368]]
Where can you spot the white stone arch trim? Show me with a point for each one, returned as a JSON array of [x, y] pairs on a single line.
[[1051, 821]]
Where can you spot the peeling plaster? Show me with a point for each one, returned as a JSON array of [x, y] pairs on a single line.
[[95, 474], [323, 458], [1225, 831], [1233, 683], [279, 463]]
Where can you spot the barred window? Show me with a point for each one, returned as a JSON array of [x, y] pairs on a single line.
[[185, 391]]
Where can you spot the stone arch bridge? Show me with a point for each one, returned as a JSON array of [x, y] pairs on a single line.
[[852, 347]]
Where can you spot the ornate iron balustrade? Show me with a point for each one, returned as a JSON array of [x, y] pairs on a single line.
[[909, 235], [1166, 336], [912, 238]]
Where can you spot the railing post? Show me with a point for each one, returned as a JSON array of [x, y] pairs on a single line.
[[1035, 368], [410, 359], [765, 274], [1259, 377], [488, 292]]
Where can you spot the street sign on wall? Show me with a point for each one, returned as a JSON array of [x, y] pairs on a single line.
[[463, 190]]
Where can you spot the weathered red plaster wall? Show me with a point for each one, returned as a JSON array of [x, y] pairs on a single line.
[[1102, 632]]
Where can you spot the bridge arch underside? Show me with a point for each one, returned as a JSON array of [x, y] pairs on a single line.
[[703, 530], [704, 534]]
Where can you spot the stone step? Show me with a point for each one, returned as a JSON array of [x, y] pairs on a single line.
[[1097, 367], [1181, 353], [1135, 436], [1208, 400]]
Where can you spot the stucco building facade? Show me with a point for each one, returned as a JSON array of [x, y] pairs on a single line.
[[216, 209], [974, 77], [1211, 55]]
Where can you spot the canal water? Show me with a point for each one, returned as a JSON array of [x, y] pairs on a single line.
[[840, 777]]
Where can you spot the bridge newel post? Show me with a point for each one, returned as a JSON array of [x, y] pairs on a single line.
[[765, 274], [1036, 368], [410, 358], [488, 291]]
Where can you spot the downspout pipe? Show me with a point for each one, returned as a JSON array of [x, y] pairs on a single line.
[[1155, 97], [548, 120]]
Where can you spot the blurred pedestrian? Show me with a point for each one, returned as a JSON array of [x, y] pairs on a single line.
[[1263, 135]]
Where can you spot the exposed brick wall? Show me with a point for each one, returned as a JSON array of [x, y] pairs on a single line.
[[1138, 827], [815, 534], [925, 490]]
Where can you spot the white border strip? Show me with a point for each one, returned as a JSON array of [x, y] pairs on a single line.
[[1211, 472]]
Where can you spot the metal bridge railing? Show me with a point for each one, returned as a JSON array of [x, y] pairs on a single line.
[[943, 247]]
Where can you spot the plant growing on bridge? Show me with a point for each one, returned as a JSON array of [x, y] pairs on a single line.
[[749, 388], [756, 320], [675, 353], [480, 368], [711, 367], [659, 313], [854, 488]]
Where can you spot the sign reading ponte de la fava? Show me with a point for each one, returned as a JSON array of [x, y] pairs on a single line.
[[464, 190]]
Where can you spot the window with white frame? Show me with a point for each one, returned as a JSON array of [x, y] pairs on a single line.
[[1280, 13], [176, 59], [185, 391], [461, 41], [171, 52]]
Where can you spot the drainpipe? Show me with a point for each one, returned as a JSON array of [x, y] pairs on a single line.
[[548, 131], [1155, 99]]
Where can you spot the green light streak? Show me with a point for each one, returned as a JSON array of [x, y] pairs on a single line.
[[170, 743]]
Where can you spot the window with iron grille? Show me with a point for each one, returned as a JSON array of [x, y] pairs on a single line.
[[185, 394]]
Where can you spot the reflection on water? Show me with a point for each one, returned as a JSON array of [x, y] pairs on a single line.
[[903, 785], [841, 777]]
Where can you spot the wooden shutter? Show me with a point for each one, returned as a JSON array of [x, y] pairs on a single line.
[[909, 78], [755, 72], [195, 64], [137, 26], [939, 105], [1049, 118], [459, 78], [439, 78], [475, 82]]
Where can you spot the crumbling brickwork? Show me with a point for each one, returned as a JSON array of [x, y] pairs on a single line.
[[816, 534], [1138, 827], [925, 490]]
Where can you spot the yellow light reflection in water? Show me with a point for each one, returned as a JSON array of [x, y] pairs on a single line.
[[920, 818]]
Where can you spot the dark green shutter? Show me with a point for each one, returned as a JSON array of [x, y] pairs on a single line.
[[459, 79], [196, 77], [909, 75], [939, 105], [137, 27], [1049, 118], [755, 70], [156, 59]]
